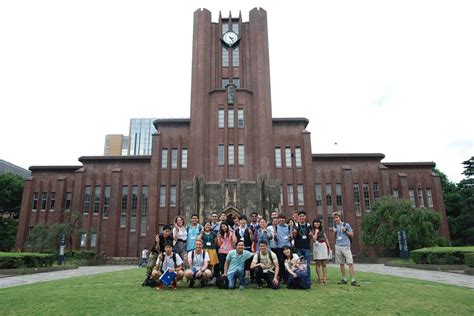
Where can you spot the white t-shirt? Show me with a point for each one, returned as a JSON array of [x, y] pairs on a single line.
[[168, 262], [182, 233], [144, 253], [197, 263]]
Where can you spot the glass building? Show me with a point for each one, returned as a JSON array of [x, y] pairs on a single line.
[[141, 130]]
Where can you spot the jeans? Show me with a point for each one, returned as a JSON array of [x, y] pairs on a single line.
[[239, 273], [307, 255]]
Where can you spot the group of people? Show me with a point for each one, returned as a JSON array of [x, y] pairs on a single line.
[[227, 252]]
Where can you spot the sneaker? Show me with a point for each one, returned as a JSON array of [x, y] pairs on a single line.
[[241, 287], [174, 286], [342, 282], [191, 283], [159, 287], [247, 281], [203, 283], [259, 286], [354, 283]]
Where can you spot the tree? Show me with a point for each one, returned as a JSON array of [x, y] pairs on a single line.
[[465, 220], [389, 215], [11, 189]]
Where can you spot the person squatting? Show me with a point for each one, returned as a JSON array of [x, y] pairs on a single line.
[[234, 253]]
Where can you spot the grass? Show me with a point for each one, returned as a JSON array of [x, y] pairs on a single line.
[[121, 293], [23, 254], [446, 249]]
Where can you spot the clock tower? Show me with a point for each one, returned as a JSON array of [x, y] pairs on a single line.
[[231, 121]]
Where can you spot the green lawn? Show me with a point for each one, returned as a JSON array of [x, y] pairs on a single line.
[[122, 294]]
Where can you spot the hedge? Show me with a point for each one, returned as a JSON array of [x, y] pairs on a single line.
[[16, 260], [81, 255], [441, 255], [469, 259]]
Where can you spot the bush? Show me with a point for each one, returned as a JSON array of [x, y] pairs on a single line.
[[441, 255], [81, 255], [469, 260], [16, 260]]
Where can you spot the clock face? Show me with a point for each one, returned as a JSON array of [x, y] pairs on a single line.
[[230, 38]]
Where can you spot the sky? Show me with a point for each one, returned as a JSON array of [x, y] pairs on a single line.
[[391, 77]]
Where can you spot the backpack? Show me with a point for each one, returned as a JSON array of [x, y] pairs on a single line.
[[149, 281], [162, 259], [192, 256], [222, 282]]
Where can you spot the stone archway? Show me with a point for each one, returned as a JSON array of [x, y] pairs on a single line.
[[231, 212]]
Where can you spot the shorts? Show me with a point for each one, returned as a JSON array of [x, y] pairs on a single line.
[[344, 255]]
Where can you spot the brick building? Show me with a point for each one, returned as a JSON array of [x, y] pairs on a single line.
[[230, 155]]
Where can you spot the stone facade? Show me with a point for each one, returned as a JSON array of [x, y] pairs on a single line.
[[231, 155]]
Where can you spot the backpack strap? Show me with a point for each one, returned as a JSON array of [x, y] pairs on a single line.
[[174, 260]]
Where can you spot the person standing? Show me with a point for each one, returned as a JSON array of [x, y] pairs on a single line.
[[262, 234], [215, 224], [225, 240], [344, 233], [283, 236], [180, 237], [209, 240], [321, 249], [144, 260], [302, 235], [265, 265], [234, 265], [193, 231]]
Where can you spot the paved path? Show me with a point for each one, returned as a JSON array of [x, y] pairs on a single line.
[[436, 276], [56, 275]]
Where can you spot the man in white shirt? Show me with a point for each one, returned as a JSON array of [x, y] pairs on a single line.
[[168, 261], [198, 261], [144, 260]]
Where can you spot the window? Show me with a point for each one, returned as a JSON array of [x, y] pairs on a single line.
[[162, 196], [230, 154], [225, 82], [240, 118], [144, 208], [278, 157], [366, 197], [225, 57], [289, 190], [87, 200], [93, 240], [220, 155], [184, 158], [133, 215], [235, 57], [53, 201], [96, 200], [421, 201], [123, 208], [330, 221], [357, 199], [328, 188], [281, 194], [173, 196], [411, 193], [319, 202], [395, 194], [44, 199], [230, 118], [288, 157], [298, 157], [339, 197], [220, 118], [429, 195], [236, 82], [83, 240], [68, 201], [241, 155], [235, 26], [34, 207], [300, 190], [174, 158], [105, 213], [164, 158], [225, 26], [376, 191]]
